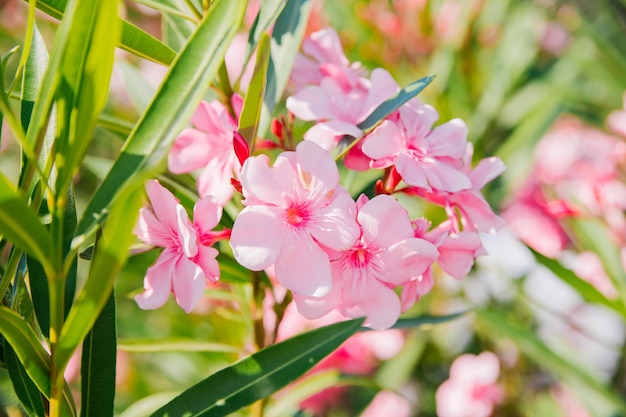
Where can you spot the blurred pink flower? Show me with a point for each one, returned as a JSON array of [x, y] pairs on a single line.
[[568, 402], [617, 119], [388, 403], [588, 266], [294, 209], [209, 146], [425, 158], [386, 255], [472, 389], [188, 260]]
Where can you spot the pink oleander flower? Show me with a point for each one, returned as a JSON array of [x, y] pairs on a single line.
[[209, 146], [295, 209], [457, 252], [388, 403], [472, 389], [430, 159], [386, 255], [187, 260], [323, 56]]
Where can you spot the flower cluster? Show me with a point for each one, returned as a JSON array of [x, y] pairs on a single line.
[[331, 251]]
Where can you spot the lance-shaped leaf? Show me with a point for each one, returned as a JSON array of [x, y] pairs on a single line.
[[426, 320], [268, 13], [395, 102], [260, 374], [85, 72], [133, 40], [98, 365], [286, 39], [26, 346], [252, 104], [173, 105], [21, 226]]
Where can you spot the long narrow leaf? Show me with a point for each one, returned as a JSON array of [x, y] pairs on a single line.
[[251, 111], [31, 354], [394, 102], [260, 374], [21, 226], [286, 39], [25, 389], [133, 40], [170, 110], [268, 13], [98, 365]]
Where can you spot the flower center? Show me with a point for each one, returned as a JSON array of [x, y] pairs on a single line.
[[360, 258], [296, 215]]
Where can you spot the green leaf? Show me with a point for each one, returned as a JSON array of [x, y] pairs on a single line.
[[288, 403], [286, 39], [85, 71], [174, 345], [21, 226], [502, 326], [585, 289], [252, 104], [260, 374], [29, 351], [268, 13], [176, 30], [594, 235], [98, 365], [133, 39], [425, 321], [24, 387], [395, 102], [173, 105]]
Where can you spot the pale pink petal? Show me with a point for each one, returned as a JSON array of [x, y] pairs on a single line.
[[418, 119], [406, 259], [158, 281], [536, 229], [411, 171], [214, 180], [268, 184], [325, 46], [486, 170], [335, 225], [383, 87], [323, 135], [315, 307], [457, 253], [191, 150], [384, 221], [356, 160], [305, 71], [416, 288], [187, 236], [387, 403], [310, 103], [477, 211], [150, 230], [257, 237], [378, 303], [206, 214], [302, 266], [188, 283], [207, 117], [441, 176], [384, 142], [448, 139], [206, 260], [163, 204], [317, 169]]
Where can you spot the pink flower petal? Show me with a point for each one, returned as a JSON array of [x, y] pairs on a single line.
[[384, 221], [187, 235], [150, 230], [335, 225], [406, 259], [315, 307], [158, 281], [449, 139], [383, 87], [257, 237], [205, 259], [206, 214], [265, 183], [486, 170], [325, 46], [378, 303], [303, 267], [384, 142], [310, 103], [191, 150], [215, 180], [457, 253], [164, 204], [317, 169], [188, 284]]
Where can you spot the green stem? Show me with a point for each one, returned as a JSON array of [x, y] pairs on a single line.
[[193, 9]]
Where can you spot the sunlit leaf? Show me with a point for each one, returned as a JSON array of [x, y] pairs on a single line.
[[260, 374], [174, 345], [170, 110]]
